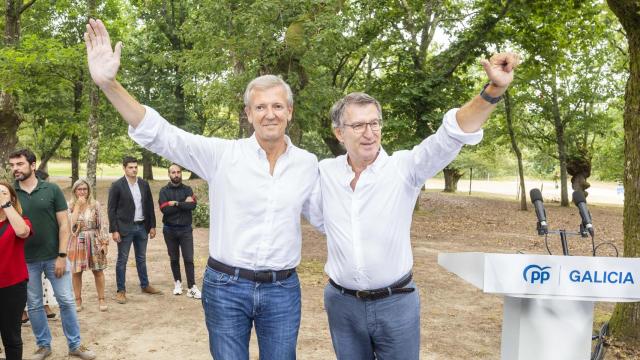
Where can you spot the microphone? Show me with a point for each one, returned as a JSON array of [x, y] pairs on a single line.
[[581, 203], [536, 200]]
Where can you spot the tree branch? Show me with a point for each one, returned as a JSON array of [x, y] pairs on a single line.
[[26, 6]]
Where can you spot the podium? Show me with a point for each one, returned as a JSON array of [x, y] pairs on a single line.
[[548, 300]]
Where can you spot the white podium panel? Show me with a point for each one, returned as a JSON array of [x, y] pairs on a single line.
[[549, 300], [535, 329]]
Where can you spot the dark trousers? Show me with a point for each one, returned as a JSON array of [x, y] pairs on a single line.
[[12, 301], [177, 240]]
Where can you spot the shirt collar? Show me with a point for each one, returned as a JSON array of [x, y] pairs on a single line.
[[380, 160], [39, 185], [130, 184], [255, 146]]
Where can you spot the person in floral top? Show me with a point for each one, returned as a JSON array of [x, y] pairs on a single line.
[[88, 244]]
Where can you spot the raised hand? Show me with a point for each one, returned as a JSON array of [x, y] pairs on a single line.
[[499, 68], [103, 60]]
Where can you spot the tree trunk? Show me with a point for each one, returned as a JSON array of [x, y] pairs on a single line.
[[147, 164], [12, 22], [75, 140], [75, 158], [333, 144], [10, 120], [451, 177], [625, 322], [181, 107], [560, 141], [48, 154], [245, 129], [92, 122], [516, 150]]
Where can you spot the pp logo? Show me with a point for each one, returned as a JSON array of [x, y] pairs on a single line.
[[535, 273]]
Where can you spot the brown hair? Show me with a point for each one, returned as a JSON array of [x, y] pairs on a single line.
[[14, 197]]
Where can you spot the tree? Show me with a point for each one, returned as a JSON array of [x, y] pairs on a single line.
[[625, 322], [93, 119], [516, 149], [10, 118]]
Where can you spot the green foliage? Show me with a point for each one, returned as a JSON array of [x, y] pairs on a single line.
[[201, 212], [201, 215], [192, 59]]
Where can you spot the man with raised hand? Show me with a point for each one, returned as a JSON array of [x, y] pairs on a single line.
[[258, 187], [371, 300]]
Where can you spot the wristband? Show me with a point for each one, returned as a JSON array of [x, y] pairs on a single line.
[[62, 255], [6, 205], [490, 99]]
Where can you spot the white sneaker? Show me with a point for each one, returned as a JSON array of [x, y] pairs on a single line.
[[194, 292], [177, 290]]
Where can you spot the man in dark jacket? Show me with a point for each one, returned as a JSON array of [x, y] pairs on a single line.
[[131, 221], [176, 203]]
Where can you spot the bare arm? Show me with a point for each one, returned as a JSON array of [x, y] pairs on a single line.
[[63, 239], [104, 62], [17, 222], [499, 69], [64, 231]]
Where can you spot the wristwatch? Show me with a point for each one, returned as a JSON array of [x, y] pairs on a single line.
[[62, 255], [487, 97], [8, 204]]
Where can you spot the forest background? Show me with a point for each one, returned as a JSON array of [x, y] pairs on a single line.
[[563, 118]]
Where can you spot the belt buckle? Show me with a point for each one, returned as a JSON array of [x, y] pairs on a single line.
[[362, 294]]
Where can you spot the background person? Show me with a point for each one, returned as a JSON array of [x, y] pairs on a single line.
[[14, 230], [177, 202], [132, 221], [88, 246], [44, 204]]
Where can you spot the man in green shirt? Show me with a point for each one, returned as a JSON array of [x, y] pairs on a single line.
[[44, 204]]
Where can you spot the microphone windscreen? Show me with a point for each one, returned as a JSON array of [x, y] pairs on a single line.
[[578, 197], [535, 195]]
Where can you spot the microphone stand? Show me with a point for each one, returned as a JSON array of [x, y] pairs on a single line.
[[563, 239]]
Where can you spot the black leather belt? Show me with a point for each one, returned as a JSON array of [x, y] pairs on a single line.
[[252, 275], [141, 222], [377, 294]]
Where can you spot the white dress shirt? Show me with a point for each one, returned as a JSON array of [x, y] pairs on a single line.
[[368, 229], [254, 216], [137, 200]]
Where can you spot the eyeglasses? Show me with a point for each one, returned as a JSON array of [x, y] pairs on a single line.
[[360, 127]]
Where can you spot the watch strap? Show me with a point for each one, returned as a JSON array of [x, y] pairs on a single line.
[[488, 98]]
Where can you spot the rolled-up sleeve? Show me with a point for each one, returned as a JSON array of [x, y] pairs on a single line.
[[195, 152], [436, 151], [453, 129]]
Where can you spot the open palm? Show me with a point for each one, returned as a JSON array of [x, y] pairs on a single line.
[[103, 60]]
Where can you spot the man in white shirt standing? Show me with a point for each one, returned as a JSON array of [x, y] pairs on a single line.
[[367, 202], [258, 187]]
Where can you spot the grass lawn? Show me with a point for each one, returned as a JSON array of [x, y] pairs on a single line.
[[63, 168]]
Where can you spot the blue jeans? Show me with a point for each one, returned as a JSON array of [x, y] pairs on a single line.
[[231, 304], [138, 237], [63, 291], [388, 327]]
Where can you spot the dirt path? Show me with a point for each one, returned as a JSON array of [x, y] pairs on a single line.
[[458, 321]]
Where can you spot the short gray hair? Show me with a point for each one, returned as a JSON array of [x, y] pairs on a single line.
[[267, 82], [355, 98]]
